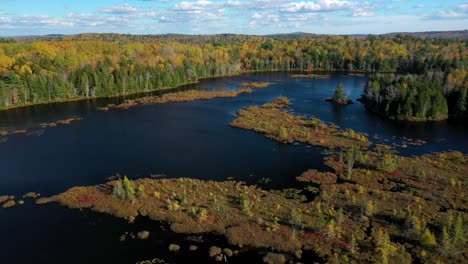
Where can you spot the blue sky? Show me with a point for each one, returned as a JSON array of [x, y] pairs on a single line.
[[36, 17]]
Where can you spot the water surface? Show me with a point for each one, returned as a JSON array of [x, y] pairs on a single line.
[[191, 139]]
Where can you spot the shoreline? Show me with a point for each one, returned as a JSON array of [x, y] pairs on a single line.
[[166, 88]]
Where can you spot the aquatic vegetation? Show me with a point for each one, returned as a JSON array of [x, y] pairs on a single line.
[[317, 177], [280, 102], [274, 258], [373, 206], [407, 215], [4, 198], [158, 175], [32, 195], [283, 126], [311, 75], [38, 130], [152, 261], [9, 203], [182, 96], [61, 122], [256, 84], [238, 221], [405, 200]]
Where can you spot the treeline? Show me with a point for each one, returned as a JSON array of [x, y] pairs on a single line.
[[430, 96], [90, 65]]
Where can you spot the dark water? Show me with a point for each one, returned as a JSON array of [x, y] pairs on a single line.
[[190, 139]]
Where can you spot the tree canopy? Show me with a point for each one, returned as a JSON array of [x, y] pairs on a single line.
[[88, 65]]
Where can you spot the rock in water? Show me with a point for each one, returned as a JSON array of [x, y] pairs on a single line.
[[193, 248], [143, 235], [214, 251], [174, 247]]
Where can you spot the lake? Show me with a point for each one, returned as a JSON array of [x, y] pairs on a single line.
[[191, 139]]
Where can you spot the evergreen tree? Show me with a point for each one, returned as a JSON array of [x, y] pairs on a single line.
[[459, 233], [124, 189], [84, 85], [462, 102], [129, 188], [339, 96], [439, 105], [428, 239]]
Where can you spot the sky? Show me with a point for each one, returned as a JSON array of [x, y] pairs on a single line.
[[258, 17]]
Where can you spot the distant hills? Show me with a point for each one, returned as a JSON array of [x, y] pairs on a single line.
[[225, 38], [455, 34]]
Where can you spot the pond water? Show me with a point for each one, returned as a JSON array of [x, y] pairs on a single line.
[[191, 139]]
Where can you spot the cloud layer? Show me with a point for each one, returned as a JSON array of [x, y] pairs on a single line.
[[235, 16]]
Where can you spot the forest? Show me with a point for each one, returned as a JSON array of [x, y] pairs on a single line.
[[430, 96], [61, 68]]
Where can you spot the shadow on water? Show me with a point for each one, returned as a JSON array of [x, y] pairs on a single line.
[[190, 139]]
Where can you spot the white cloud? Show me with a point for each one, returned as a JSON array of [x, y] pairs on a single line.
[[201, 10], [90, 20], [363, 14], [34, 22], [127, 10], [257, 16], [353, 8], [240, 16], [124, 9], [460, 12]]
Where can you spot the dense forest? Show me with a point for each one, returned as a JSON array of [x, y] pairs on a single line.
[[430, 96], [88, 65]]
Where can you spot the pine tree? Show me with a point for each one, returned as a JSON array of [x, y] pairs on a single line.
[[331, 229], [84, 85], [383, 245], [439, 105], [129, 188], [339, 96], [428, 239], [459, 233], [283, 134], [446, 244], [462, 102]]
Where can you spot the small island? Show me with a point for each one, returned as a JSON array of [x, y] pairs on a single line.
[[339, 97]]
